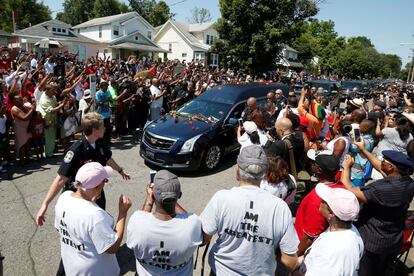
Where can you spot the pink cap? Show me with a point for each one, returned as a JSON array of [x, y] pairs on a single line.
[[342, 202], [249, 127], [92, 174]]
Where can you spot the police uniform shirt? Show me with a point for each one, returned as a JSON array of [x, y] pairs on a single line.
[[82, 152]]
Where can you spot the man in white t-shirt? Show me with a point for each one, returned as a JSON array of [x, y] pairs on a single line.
[[339, 249], [252, 225], [87, 237], [164, 241], [157, 100]]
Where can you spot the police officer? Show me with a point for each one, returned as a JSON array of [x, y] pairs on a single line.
[[90, 147]]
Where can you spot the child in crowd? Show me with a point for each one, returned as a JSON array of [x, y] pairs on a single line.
[[38, 135]]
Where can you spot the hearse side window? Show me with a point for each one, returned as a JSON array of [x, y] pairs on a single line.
[[238, 110]]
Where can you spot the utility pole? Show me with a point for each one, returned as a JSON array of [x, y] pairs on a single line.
[[14, 22]]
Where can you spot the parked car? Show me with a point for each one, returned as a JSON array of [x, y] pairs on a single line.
[[202, 131]]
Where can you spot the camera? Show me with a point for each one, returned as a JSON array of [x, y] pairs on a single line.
[[152, 175]]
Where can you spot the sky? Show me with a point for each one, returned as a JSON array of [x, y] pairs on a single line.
[[385, 22]]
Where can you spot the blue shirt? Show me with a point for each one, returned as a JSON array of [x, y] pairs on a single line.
[[102, 101]]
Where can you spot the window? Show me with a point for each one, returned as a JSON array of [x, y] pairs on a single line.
[[184, 55], [170, 47], [149, 35], [116, 30], [59, 30], [100, 31], [199, 56], [136, 38], [53, 29], [64, 31], [214, 59], [209, 39]]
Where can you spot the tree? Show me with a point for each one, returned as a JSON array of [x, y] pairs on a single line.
[[200, 15], [75, 12], [103, 8], [26, 12], [253, 31], [160, 14], [143, 7], [156, 13]]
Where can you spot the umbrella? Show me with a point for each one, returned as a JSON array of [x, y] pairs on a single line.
[[47, 43]]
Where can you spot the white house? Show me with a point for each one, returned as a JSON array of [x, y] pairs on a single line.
[[289, 58], [121, 35], [55, 31], [187, 41]]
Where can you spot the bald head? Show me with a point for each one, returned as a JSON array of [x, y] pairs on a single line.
[[358, 115], [154, 81], [284, 124], [252, 103]]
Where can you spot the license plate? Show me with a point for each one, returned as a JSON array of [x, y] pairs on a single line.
[[149, 154]]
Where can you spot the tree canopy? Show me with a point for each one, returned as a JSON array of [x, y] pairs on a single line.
[[252, 32], [156, 13], [352, 58], [26, 12], [200, 15]]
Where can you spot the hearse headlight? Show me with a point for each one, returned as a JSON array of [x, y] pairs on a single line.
[[188, 145]]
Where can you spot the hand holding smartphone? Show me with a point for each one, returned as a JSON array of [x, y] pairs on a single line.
[[152, 175]]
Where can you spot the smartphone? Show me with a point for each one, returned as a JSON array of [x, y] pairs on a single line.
[[152, 175], [240, 122], [357, 135]]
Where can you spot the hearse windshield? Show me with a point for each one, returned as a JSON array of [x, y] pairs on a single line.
[[206, 109]]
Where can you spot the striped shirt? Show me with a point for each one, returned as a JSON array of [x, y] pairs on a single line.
[[381, 220]]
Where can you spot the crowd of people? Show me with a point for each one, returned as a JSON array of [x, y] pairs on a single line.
[[324, 182]]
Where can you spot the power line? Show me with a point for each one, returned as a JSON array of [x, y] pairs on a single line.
[[179, 2]]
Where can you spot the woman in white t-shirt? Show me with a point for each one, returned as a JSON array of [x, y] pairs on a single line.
[[278, 181], [251, 136], [339, 249], [340, 144], [394, 136]]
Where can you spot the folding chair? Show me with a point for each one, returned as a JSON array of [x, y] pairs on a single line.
[[407, 237]]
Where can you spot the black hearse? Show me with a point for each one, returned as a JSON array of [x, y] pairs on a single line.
[[199, 133]]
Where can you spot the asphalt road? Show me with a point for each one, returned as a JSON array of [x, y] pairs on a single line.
[[33, 250]]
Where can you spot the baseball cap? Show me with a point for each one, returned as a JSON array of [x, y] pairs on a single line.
[[399, 159], [91, 175], [325, 159], [342, 202], [166, 186], [250, 127], [252, 159]]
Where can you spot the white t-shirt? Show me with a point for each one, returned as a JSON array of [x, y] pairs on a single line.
[[280, 189], [85, 234], [251, 224], [335, 253], [49, 67], [331, 145], [38, 94], [245, 141], [83, 105], [282, 112], [155, 92], [164, 247], [33, 64], [392, 141]]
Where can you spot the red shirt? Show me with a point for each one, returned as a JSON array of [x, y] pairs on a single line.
[[308, 219], [38, 126]]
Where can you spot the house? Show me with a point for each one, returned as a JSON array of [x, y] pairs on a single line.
[[289, 58], [58, 33], [5, 38], [121, 35], [187, 41]]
